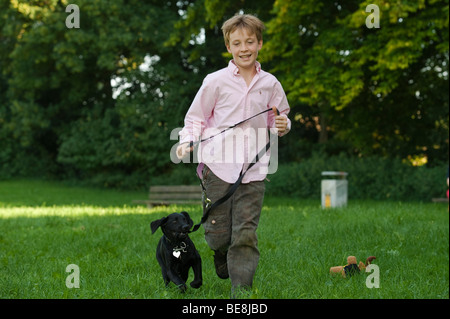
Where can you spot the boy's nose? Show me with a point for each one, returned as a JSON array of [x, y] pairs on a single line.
[[243, 47]]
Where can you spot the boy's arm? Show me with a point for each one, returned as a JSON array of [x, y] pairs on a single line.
[[279, 100], [198, 113]]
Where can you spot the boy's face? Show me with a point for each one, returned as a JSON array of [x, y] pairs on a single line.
[[244, 47]]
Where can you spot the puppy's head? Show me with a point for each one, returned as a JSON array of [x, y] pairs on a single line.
[[176, 226]]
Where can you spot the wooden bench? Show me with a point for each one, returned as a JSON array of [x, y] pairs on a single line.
[[172, 194]]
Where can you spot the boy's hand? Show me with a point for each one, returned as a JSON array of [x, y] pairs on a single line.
[[183, 150], [281, 123]]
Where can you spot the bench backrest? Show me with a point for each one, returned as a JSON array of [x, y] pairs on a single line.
[[184, 192]]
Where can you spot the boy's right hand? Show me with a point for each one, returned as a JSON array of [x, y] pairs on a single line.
[[183, 150]]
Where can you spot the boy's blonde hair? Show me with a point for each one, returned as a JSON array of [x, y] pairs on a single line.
[[242, 21]]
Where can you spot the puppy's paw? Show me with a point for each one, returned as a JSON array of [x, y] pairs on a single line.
[[182, 288], [196, 284]]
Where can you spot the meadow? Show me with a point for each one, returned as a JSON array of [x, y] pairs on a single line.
[[46, 226]]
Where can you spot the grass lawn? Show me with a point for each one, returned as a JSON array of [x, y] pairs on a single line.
[[46, 226]]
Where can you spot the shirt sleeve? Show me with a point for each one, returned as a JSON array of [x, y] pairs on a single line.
[[279, 100], [199, 112]]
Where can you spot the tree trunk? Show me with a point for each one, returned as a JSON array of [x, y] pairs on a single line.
[[323, 133]]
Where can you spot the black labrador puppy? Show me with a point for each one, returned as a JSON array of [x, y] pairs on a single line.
[[176, 253]]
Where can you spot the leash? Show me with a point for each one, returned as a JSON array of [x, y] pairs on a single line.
[[209, 207], [274, 109]]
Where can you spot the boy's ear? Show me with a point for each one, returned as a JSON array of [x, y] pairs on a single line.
[[188, 218], [157, 223]]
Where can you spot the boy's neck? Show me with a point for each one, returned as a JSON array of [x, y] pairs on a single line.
[[248, 74]]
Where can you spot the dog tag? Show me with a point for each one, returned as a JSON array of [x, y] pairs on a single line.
[[176, 254]]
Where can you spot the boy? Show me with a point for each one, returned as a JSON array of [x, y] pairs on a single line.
[[225, 98]]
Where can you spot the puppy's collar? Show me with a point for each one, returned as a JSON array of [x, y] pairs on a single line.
[[176, 251], [182, 247]]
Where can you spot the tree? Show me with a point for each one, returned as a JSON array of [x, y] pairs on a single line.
[[99, 102], [60, 117], [367, 84]]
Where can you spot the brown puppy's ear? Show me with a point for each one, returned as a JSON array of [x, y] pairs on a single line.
[[154, 225], [370, 259], [188, 218]]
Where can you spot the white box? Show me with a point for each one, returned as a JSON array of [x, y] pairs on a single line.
[[334, 192]]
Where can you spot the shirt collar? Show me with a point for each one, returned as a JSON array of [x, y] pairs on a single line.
[[235, 70]]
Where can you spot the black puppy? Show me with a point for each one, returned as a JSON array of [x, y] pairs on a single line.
[[176, 252]]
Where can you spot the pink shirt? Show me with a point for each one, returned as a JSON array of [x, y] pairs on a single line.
[[223, 100]]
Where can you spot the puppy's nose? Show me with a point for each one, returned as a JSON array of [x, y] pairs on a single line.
[[185, 228]]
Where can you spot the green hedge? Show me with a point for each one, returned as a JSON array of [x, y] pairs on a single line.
[[368, 178]]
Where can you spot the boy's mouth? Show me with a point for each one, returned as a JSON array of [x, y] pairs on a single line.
[[245, 57]]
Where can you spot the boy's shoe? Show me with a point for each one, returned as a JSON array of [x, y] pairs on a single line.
[[220, 262]]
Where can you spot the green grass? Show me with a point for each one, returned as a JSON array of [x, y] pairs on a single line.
[[45, 226]]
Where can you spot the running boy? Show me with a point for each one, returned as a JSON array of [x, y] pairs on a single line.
[[225, 98]]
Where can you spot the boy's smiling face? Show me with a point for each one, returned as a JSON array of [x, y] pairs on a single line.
[[244, 47]]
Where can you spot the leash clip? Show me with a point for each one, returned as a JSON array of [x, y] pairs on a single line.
[[205, 199], [208, 202]]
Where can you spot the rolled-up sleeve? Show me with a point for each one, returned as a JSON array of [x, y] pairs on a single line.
[[279, 100]]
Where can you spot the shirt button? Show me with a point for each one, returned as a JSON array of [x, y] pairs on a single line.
[[213, 222]]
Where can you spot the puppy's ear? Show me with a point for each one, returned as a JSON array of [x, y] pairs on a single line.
[[188, 218], [157, 223]]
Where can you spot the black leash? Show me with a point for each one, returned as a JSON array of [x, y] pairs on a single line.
[[274, 109], [209, 207]]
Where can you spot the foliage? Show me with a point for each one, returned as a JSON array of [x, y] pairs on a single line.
[[370, 87], [99, 103], [368, 178], [60, 109]]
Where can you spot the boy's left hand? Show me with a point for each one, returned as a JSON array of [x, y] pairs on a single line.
[[281, 123]]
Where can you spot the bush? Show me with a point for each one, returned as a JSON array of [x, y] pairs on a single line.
[[369, 178]]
